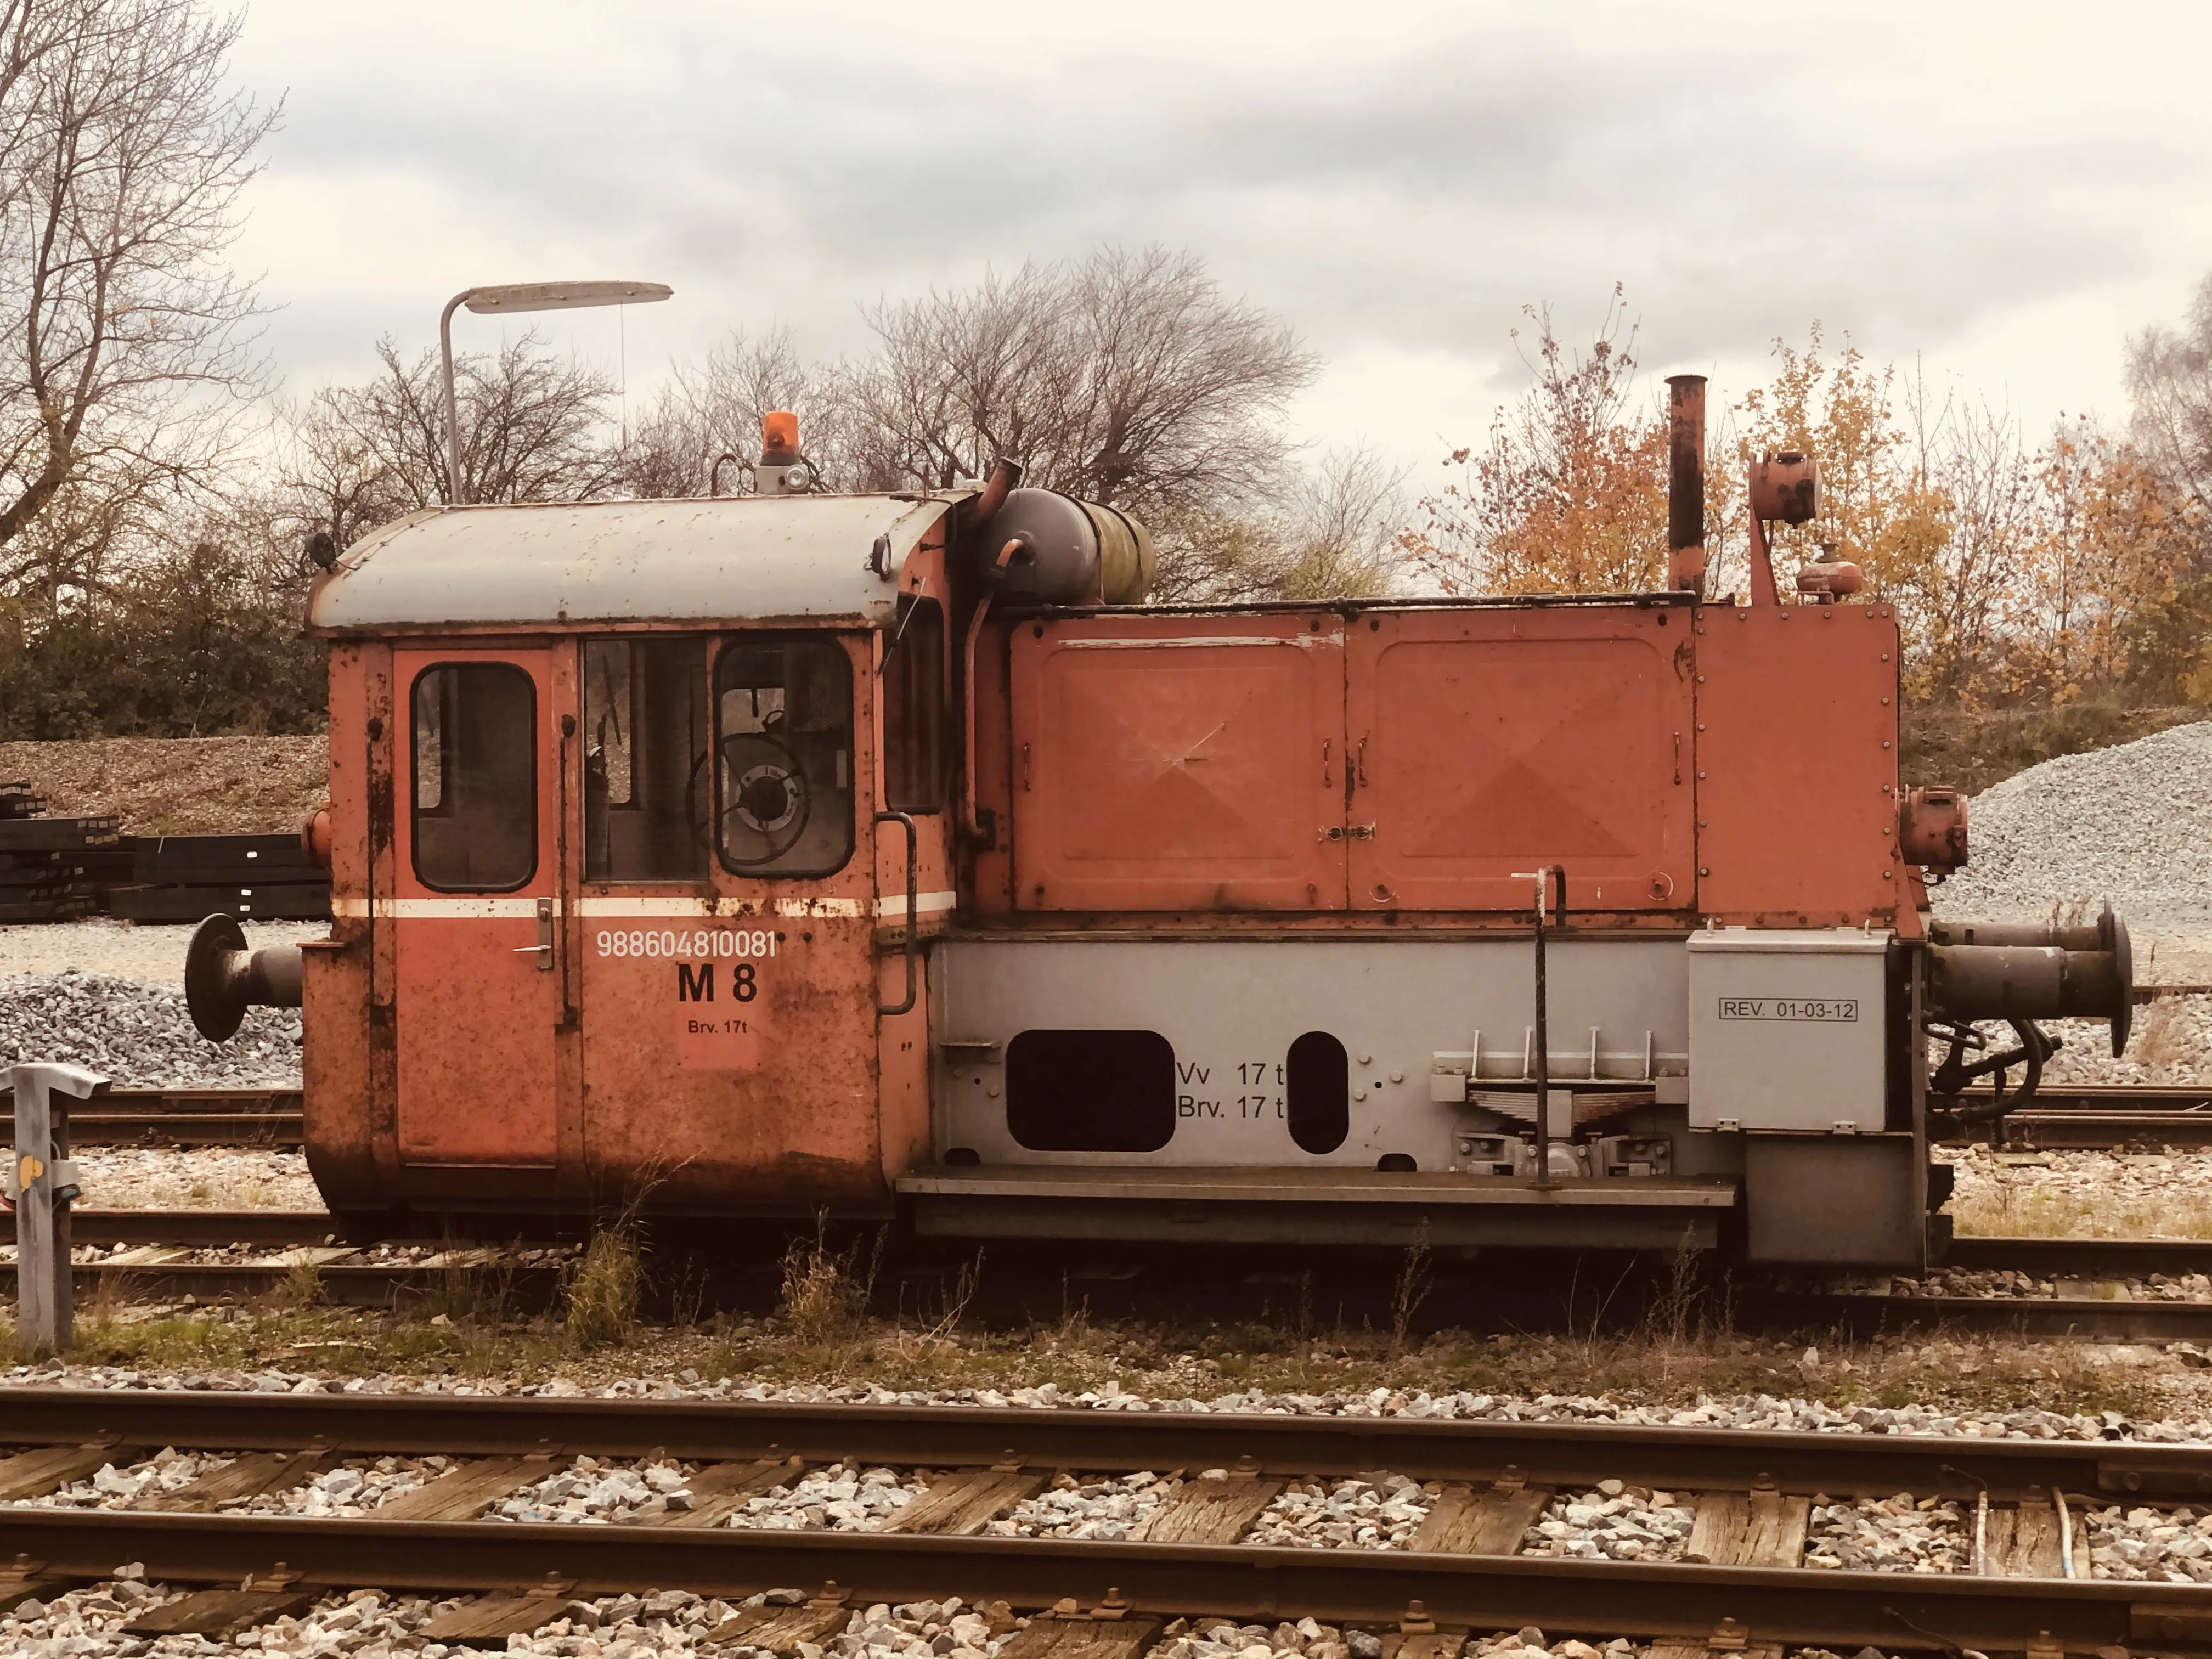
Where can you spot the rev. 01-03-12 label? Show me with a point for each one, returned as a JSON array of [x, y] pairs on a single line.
[[1812, 1011]]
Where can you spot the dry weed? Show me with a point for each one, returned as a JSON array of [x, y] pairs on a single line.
[[2161, 1036], [604, 1290], [826, 1293]]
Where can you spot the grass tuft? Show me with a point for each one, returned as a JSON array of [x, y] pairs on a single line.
[[604, 1291], [826, 1293]]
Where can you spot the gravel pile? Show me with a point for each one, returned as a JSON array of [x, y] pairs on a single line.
[[837, 1498], [1890, 1535], [196, 1177], [1378, 1511], [1613, 1523], [1070, 1508], [2128, 823], [139, 1036]]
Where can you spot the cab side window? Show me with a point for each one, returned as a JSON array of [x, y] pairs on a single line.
[[783, 756], [648, 796], [474, 737], [914, 710]]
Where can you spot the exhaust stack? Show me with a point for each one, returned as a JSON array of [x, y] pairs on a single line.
[[1686, 483]]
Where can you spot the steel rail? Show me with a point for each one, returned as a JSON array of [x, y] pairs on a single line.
[[181, 1116], [937, 1437], [347, 1284], [2083, 1258], [276, 1229], [1340, 1585], [2105, 1130], [2088, 1318]]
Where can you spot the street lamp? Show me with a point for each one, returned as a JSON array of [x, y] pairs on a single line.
[[524, 296]]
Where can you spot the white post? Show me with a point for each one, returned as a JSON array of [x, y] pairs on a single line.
[[42, 1183]]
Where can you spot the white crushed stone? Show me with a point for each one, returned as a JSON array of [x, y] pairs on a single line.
[[370, 1624], [355, 1487], [1094, 1507], [1749, 1411], [139, 1036], [833, 1499], [2128, 823], [148, 953], [1890, 1535], [2170, 1041], [592, 1492], [2149, 1192], [1615, 1523], [112, 1488], [1378, 1511], [2164, 1547], [195, 1177]]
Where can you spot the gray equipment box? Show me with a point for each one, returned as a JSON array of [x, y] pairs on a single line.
[[1786, 1029]]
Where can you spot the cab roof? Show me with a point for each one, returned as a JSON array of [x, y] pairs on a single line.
[[746, 557]]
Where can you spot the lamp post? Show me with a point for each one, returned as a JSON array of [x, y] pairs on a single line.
[[522, 296]]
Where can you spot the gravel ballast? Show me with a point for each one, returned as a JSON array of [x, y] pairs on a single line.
[[2128, 824], [139, 1035]]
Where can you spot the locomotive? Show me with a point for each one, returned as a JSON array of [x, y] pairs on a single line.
[[886, 856]]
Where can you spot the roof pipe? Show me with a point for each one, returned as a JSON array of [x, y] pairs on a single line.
[[1005, 476], [1686, 483]]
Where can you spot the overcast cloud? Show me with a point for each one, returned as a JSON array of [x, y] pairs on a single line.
[[2005, 192]]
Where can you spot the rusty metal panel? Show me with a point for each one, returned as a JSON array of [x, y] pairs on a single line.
[[1187, 762], [1487, 743], [1797, 764], [477, 1014]]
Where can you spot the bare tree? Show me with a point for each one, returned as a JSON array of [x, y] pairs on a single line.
[[533, 428], [1127, 378], [1331, 534], [125, 349], [2170, 380]]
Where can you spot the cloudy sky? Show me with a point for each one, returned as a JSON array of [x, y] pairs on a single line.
[[2004, 192]]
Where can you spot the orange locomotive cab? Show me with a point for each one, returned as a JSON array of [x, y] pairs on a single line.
[[621, 857]]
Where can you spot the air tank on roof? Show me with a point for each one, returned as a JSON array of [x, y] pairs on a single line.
[[1064, 551]]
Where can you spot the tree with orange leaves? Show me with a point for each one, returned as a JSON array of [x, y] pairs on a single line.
[[1569, 495]]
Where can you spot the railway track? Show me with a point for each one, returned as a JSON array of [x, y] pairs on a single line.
[[179, 1117], [1484, 1484], [165, 1255]]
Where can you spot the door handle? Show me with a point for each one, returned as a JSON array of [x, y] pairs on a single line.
[[544, 948]]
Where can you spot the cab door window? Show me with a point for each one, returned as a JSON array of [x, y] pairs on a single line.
[[648, 796], [474, 737], [783, 756]]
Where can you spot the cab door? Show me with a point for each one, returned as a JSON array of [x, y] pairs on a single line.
[[728, 971], [477, 904]]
